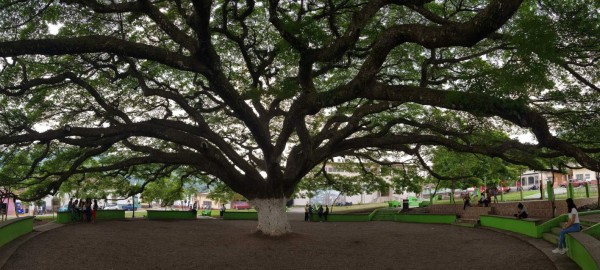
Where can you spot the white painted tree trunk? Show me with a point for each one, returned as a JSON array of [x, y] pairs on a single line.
[[272, 218]]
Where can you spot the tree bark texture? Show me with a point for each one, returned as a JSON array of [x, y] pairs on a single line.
[[272, 217]]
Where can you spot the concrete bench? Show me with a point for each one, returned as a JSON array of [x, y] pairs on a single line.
[[535, 220], [584, 249]]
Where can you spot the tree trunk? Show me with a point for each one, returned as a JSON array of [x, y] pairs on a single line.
[[272, 218]]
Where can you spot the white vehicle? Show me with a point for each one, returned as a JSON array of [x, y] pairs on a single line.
[[112, 207]]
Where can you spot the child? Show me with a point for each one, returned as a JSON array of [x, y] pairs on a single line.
[[522, 213]]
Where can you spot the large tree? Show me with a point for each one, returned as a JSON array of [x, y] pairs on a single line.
[[257, 93]]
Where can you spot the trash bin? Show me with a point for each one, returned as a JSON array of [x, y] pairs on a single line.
[[405, 204]]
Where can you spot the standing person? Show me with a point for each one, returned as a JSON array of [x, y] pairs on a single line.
[[495, 194], [94, 209], [76, 216], [222, 212], [482, 200], [310, 212], [320, 212], [88, 209], [70, 205], [488, 198], [522, 213], [326, 213], [467, 199], [306, 212], [571, 226]]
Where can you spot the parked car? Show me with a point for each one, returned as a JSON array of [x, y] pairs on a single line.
[[575, 182], [240, 205], [128, 207], [111, 207]]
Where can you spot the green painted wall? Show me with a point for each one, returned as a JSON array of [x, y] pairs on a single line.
[[425, 218], [14, 228], [155, 214], [65, 217], [344, 217], [110, 214], [580, 255], [512, 224]]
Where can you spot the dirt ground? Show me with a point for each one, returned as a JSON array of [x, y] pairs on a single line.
[[219, 244]]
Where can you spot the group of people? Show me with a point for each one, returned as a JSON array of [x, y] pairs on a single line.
[[322, 213], [484, 200], [83, 210]]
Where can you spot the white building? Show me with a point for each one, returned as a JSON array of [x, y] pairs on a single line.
[[532, 178], [328, 196], [584, 175]]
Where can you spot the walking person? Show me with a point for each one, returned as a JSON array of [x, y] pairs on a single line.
[[571, 226], [310, 213], [467, 199], [326, 213], [495, 194], [306, 212], [222, 212], [94, 209]]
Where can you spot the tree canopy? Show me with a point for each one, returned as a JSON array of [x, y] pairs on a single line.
[[258, 93]]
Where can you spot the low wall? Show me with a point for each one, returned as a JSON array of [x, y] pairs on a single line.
[[14, 228], [522, 226], [65, 217], [240, 215], [536, 209], [584, 250], [343, 217], [425, 218], [158, 214]]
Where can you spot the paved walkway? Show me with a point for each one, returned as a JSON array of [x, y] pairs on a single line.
[[7, 251], [383, 243]]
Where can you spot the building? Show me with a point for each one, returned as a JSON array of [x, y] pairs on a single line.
[[340, 167], [584, 174], [531, 178]]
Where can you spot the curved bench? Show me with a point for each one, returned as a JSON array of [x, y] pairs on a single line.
[[14, 228], [584, 249]]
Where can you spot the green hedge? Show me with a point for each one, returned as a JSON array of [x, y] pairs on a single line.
[[14, 228], [158, 214]]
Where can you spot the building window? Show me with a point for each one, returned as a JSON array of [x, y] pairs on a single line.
[[579, 176], [531, 180], [587, 176]]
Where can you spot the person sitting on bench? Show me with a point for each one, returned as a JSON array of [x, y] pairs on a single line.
[[522, 211]]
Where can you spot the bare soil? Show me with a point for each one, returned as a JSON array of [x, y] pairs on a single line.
[[220, 244]]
